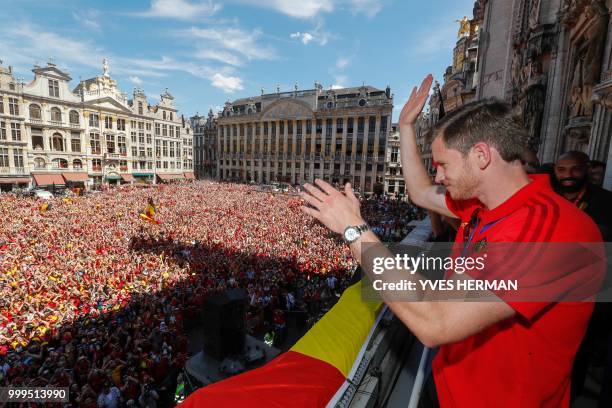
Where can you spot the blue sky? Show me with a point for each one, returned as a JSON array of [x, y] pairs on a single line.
[[209, 51]]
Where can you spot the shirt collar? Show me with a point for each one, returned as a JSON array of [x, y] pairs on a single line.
[[537, 183]]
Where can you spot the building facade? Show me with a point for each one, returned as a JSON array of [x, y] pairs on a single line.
[[552, 60], [394, 180], [294, 137], [92, 135], [205, 145]]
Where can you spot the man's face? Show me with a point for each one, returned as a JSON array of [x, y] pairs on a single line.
[[596, 175], [454, 171], [571, 174]]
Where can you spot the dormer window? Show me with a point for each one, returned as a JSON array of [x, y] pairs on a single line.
[[140, 111], [54, 88], [164, 114]]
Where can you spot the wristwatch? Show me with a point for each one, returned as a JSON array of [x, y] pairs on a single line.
[[353, 232]]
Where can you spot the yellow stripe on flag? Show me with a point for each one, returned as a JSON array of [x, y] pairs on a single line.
[[337, 338]]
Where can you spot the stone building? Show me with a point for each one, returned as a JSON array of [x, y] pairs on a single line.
[[552, 59], [205, 145], [87, 136], [394, 180], [339, 135]]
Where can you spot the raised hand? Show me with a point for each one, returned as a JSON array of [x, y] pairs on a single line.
[[414, 105], [334, 209]]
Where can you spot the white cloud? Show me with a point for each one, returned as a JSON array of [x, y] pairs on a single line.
[[342, 62], [368, 7], [341, 81], [317, 35], [135, 80], [219, 55], [229, 40], [305, 37], [295, 8], [180, 9], [227, 84], [89, 19]]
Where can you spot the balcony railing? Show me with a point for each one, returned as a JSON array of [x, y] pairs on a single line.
[[75, 125], [12, 170], [36, 121], [56, 123]]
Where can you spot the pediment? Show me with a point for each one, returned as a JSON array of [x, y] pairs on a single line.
[[287, 109], [109, 103]]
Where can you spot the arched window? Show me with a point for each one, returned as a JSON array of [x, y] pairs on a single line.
[[56, 115], [77, 164], [35, 112], [74, 117], [57, 142], [39, 163], [60, 163]]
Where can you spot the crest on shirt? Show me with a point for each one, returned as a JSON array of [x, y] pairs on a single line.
[[480, 244]]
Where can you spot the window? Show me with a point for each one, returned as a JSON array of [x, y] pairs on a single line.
[[108, 122], [140, 110], [149, 152], [164, 130], [349, 126], [77, 164], [171, 131], [4, 160], [94, 120], [360, 125], [39, 163], [133, 124], [178, 131], [35, 112], [75, 142], [319, 126], [1, 106], [2, 130], [56, 115], [140, 125], [13, 106], [149, 138], [53, 88], [94, 143], [141, 138], [18, 157], [134, 151], [122, 145], [120, 124], [110, 143], [383, 124], [171, 116], [148, 126], [394, 154], [74, 117], [57, 142], [157, 129], [165, 148], [16, 131], [96, 164], [164, 114]]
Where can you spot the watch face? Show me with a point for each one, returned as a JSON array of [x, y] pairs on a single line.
[[351, 234]]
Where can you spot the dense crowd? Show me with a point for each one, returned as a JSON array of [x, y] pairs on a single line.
[[94, 298]]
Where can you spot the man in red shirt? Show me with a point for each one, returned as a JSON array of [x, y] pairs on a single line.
[[506, 353]]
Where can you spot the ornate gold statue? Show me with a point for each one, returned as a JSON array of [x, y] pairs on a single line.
[[464, 27]]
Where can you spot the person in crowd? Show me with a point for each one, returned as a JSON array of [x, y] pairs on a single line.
[[572, 176], [597, 171]]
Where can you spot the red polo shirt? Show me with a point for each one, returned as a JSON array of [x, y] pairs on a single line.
[[526, 360]]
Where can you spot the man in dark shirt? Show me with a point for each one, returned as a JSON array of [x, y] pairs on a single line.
[[572, 182], [571, 173]]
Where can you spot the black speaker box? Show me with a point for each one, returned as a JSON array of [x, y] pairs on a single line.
[[225, 323]]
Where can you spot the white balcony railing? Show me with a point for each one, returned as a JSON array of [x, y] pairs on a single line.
[[12, 170]]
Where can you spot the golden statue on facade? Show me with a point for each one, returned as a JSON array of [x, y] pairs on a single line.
[[464, 27]]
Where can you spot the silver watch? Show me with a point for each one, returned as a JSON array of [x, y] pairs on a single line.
[[353, 232]]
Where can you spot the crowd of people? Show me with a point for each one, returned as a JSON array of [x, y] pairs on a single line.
[[94, 298]]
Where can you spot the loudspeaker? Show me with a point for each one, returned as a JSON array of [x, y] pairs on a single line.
[[225, 323]]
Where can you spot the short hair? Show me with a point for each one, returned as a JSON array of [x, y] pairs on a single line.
[[597, 163], [490, 121], [577, 155]]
